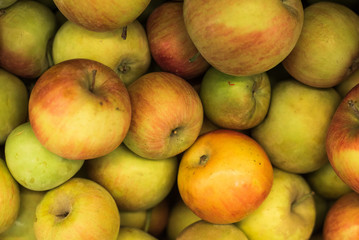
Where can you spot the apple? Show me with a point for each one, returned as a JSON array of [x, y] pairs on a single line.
[[170, 45], [235, 102], [327, 183], [78, 209], [131, 233], [136, 183], [180, 216], [167, 115], [26, 28], [328, 47], [13, 103], [22, 228], [287, 213], [348, 83], [322, 206], [32, 165], [342, 220], [129, 58], [148, 10], [294, 130], [80, 109], [243, 38], [342, 140], [6, 3], [224, 176], [349, 3], [101, 15], [9, 198], [211, 231]]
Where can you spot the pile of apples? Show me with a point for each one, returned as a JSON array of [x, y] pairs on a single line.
[[193, 119]]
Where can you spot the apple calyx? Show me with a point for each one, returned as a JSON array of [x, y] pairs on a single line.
[[352, 105], [203, 159], [2, 12], [124, 33], [124, 67], [353, 67], [92, 85], [302, 199]]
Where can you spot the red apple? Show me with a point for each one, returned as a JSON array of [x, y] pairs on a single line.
[[80, 109], [343, 139], [167, 115], [342, 219], [243, 37], [170, 45]]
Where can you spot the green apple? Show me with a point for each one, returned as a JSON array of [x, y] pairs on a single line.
[[210, 231], [170, 45], [13, 103], [80, 109], [9, 198], [327, 183], [348, 83], [6, 3], [136, 183], [180, 217], [294, 131], [26, 28], [132, 233], [349, 3], [235, 102], [102, 15], [129, 58], [32, 165], [23, 229], [328, 48], [167, 115], [243, 38], [287, 213], [79, 209]]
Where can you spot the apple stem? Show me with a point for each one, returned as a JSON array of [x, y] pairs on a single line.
[[124, 33], [92, 87], [192, 59], [302, 199], [148, 220]]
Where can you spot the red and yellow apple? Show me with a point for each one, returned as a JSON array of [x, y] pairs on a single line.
[[80, 109], [243, 37], [224, 176]]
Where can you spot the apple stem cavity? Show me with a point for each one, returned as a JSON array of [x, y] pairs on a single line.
[[192, 59], [92, 86], [124, 33], [302, 199]]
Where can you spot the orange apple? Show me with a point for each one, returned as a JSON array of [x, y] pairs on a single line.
[[224, 176]]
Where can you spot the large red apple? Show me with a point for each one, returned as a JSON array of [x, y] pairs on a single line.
[[80, 109], [167, 115], [343, 139], [243, 37], [170, 45]]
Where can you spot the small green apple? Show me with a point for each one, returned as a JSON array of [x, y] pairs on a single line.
[[294, 131], [32, 165], [235, 102], [348, 83], [13, 103], [287, 213]]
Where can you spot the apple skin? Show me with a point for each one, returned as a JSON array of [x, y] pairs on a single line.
[[287, 213], [13, 103], [37, 24], [167, 115], [80, 109], [129, 58], [132, 233], [9, 198], [136, 183], [295, 127], [327, 183], [330, 32], [210, 231], [6, 3], [64, 212], [243, 38], [101, 15], [32, 165], [342, 139], [235, 102], [170, 45], [342, 220], [348, 83], [224, 176], [22, 228]]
